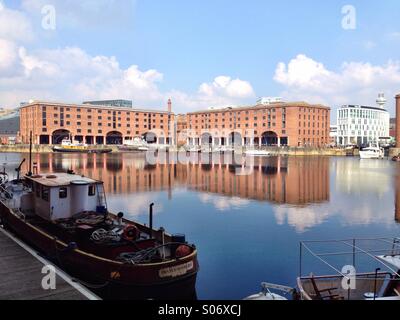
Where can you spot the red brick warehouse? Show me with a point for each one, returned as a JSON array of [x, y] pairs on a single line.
[[293, 124], [51, 122]]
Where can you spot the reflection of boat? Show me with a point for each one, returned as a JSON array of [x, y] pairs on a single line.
[[135, 145], [372, 152], [347, 284], [65, 217], [259, 153], [67, 146]]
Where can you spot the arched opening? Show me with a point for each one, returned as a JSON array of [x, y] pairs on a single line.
[[150, 138], [114, 138], [206, 139], [269, 138], [59, 135], [235, 139]]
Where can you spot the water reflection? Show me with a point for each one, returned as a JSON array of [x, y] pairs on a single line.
[[299, 188], [247, 228], [294, 181]]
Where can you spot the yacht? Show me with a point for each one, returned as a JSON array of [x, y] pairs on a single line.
[[135, 145], [372, 152]]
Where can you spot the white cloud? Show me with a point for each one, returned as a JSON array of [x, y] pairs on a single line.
[[222, 203], [355, 82], [225, 86], [71, 74], [14, 25]]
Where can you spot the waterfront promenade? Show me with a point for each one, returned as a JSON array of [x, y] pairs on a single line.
[[21, 275], [289, 151]]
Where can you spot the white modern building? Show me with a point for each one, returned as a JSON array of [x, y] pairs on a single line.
[[361, 125]]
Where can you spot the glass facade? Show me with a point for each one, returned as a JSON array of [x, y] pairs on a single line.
[[361, 125]]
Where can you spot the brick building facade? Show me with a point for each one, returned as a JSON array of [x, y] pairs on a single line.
[[50, 123], [291, 124]]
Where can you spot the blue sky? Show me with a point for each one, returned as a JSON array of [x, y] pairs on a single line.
[[202, 53]]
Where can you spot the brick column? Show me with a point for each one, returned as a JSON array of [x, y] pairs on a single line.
[[398, 121]]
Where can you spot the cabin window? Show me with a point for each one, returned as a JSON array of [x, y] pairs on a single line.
[[45, 194], [37, 188], [63, 193], [92, 191]]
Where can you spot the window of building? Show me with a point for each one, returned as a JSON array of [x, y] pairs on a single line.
[[63, 193], [45, 194], [92, 191]]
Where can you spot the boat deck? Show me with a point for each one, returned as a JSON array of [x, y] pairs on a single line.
[[21, 275]]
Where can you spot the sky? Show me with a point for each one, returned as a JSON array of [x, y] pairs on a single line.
[[199, 53]]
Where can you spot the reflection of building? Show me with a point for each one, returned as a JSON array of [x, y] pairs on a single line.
[[296, 181], [50, 123], [358, 177], [362, 125], [265, 124]]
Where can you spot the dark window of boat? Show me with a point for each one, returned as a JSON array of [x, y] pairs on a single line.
[[37, 188], [63, 193], [92, 191], [45, 194]]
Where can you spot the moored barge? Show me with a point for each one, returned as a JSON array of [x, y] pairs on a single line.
[[65, 217]]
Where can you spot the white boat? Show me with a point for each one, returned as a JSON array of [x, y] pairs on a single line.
[[372, 152], [345, 283], [258, 153], [135, 145], [267, 295]]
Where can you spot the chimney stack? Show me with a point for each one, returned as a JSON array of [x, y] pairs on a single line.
[[398, 121], [169, 106]]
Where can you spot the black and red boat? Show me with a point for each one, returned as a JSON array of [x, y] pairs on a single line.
[[65, 217]]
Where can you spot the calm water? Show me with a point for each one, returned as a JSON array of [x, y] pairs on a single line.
[[247, 228]]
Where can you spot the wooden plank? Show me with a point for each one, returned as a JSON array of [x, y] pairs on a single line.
[[21, 275]]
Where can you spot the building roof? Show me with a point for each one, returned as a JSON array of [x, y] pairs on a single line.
[[300, 104], [61, 179], [92, 106], [362, 107]]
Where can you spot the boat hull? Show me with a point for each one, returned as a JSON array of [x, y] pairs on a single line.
[[369, 155], [109, 278], [67, 150], [132, 149]]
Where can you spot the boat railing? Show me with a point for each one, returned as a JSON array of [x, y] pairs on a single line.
[[5, 194], [355, 249]]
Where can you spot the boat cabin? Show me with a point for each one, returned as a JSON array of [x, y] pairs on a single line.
[[63, 195]]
